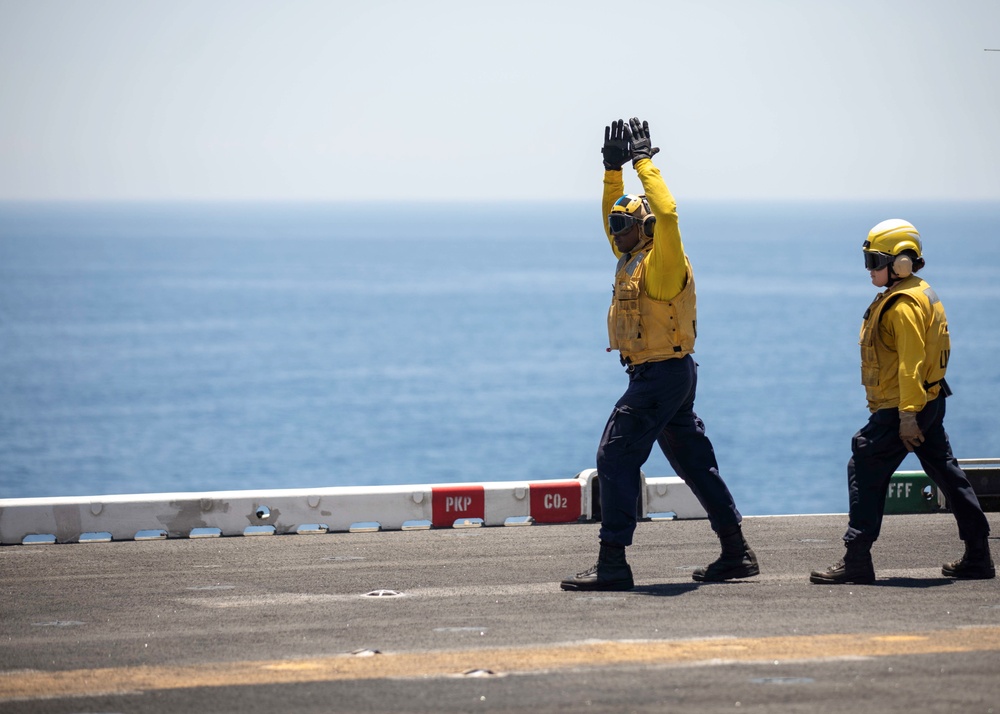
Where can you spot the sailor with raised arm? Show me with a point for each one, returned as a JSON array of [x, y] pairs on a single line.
[[652, 322]]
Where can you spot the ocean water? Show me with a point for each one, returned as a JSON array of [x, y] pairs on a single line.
[[153, 348]]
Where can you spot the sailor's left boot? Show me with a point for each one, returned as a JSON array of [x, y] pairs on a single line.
[[737, 559], [855, 567]]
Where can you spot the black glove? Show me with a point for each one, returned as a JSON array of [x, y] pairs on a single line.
[[615, 150], [638, 136]]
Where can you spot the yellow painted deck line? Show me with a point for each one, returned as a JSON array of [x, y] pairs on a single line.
[[85, 682]]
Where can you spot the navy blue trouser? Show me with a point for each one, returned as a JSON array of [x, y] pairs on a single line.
[[658, 406], [877, 453]]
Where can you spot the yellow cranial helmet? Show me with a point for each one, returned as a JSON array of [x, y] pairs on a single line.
[[626, 212], [889, 239]]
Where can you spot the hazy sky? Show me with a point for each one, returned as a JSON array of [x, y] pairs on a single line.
[[313, 100]]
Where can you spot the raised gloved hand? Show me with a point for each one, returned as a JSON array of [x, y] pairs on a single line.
[[909, 430], [638, 136], [616, 152]]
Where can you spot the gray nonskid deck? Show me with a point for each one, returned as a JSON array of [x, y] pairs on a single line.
[[453, 595]]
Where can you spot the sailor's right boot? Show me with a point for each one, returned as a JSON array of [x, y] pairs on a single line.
[[611, 572], [975, 564], [856, 567]]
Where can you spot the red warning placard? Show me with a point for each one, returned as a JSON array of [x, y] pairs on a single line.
[[451, 503], [556, 502]]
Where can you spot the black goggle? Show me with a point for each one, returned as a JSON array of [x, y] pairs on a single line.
[[619, 223], [877, 261]]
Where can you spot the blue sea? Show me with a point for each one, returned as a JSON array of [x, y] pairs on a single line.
[[195, 347]]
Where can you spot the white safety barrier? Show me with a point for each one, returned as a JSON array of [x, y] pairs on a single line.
[[669, 494], [269, 512]]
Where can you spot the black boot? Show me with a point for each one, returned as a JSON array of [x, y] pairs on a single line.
[[856, 567], [736, 561], [611, 572], [975, 564]]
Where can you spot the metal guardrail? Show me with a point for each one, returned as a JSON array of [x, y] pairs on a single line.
[[342, 509], [88, 519]]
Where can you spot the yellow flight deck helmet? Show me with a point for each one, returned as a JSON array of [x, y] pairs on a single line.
[[886, 245], [629, 210]]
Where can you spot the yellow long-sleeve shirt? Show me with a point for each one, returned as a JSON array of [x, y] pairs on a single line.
[[665, 264]]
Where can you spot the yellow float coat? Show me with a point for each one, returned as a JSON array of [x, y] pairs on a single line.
[[905, 347], [653, 314]]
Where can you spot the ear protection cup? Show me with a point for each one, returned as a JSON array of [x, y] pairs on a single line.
[[902, 266], [647, 225]]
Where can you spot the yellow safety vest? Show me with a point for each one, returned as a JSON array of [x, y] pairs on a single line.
[[880, 361], [648, 330]]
